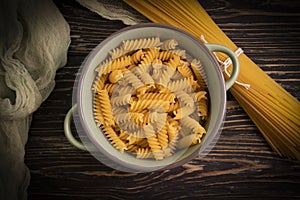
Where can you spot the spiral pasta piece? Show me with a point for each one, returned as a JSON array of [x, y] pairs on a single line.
[[123, 118], [186, 141], [112, 65], [165, 55], [162, 136], [203, 108], [98, 115], [123, 135], [145, 67], [165, 76], [137, 56], [130, 45], [115, 76], [144, 153], [133, 140], [181, 84], [183, 112], [109, 87], [174, 62], [173, 136], [202, 102], [169, 44], [143, 76], [116, 52], [179, 52], [99, 83], [184, 98], [170, 97], [133, 80], [120, 90], [143, 143], [199, 73], [143, 104], [153, 143], [132, 147], [176, 76], [173, 106], [114, 138], [118, 110], [129, 126], [193, 125], [184, 69], [149, 56], [121, 100], [106, 108]]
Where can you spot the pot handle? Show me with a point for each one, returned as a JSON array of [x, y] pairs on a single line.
[[68, 131], [234, 60]]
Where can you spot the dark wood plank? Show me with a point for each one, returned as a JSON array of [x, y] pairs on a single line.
[[241, 165]]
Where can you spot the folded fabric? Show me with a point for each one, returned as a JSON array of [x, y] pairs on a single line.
[[34, 39]]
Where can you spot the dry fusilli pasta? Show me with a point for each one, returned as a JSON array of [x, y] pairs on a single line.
[[149, 99]]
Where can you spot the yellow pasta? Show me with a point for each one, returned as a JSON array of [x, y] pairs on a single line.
[[143, 76], [99, 83], [119, 63], [114, 138], [179, 52], [117, 52], [170, 97], [173, 135], [139, 104], [169, 44], [181, 84], [166, 76], [106, 108], [173, 106], [133, 80], [143, 143], [121, 100], [202, 107], [123, 135], [199, 73], [183, 111], [162, 136], [149, 56], [142, 104], [137, 56], [184, 69], [132, 147], [153, 143], [184, 98], [165, 55], [185, 141], [142, 43], [115, 76], [109, 88], [202, 103], [174, 62], [144, 153], [98, 115]]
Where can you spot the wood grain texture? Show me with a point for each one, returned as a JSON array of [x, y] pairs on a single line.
[[241, 165]]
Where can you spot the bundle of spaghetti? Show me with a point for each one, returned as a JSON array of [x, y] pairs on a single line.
[[273, 110]]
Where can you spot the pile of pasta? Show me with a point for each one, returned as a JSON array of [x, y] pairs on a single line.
[[150, 98]]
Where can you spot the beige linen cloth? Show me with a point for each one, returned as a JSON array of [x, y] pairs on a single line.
[[34, 40]]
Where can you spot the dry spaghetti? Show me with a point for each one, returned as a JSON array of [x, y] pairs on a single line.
[[274, 111]]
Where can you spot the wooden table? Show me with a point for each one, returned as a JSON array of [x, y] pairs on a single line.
[[241, 164]]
